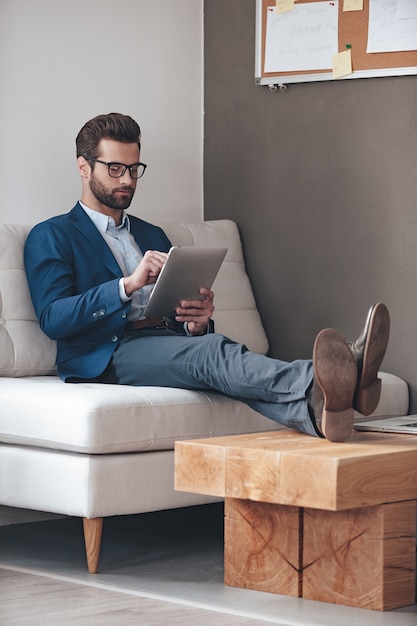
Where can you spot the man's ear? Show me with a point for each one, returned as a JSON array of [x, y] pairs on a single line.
[[83, 167]]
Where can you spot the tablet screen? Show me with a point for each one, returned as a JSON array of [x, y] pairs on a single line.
[[186, 270]]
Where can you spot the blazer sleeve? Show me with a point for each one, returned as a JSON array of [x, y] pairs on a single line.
[[70, 287]]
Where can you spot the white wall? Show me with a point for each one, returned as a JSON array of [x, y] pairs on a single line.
[[63, 62]]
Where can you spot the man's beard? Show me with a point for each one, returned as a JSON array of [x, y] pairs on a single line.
[[108, 198]]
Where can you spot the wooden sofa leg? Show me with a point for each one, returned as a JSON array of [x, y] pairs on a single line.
[[92, 538]]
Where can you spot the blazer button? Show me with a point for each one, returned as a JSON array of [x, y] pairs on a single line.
[[124, 314], [114, 338]]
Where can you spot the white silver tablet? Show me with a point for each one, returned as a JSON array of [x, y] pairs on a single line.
[[186, 270]]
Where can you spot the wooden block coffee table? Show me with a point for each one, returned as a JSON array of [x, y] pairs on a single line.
[[308, 518]]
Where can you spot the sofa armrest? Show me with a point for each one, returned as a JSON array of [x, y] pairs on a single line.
[[394, 399]]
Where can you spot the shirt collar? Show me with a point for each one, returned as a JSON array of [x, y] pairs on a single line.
[[104, 222]]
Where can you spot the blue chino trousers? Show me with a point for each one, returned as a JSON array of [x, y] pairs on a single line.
[[164, 358]]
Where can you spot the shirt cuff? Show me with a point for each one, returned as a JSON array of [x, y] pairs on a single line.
[[122, 292]]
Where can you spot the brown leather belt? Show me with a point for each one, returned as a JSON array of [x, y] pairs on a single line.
[[151, 322]]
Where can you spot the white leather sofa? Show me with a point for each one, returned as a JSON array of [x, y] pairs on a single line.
[[92, 450]]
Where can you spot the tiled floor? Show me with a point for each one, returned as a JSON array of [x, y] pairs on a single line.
[[174, 556]]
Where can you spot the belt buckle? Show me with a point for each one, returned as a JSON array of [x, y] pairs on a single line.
[[164, 325]]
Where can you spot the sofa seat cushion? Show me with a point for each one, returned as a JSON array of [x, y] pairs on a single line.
[[93, 418]]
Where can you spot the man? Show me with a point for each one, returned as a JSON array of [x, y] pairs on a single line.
[[90, 274]]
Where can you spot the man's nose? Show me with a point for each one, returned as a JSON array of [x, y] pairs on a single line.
[[127, 178]]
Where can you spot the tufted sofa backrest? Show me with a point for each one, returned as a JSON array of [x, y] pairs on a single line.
[[26, 351]]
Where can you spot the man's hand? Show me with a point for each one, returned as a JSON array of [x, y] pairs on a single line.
[[197, 313], [146, 272]]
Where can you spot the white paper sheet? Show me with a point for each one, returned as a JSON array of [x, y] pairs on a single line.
[[302, 40], [388, 32]]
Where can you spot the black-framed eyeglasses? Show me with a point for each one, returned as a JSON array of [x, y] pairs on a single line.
[[116, 170]]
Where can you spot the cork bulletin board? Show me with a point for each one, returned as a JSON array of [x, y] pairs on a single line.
[[351, 30]]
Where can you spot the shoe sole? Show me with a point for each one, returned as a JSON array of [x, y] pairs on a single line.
[[335, 371], [368, 390]]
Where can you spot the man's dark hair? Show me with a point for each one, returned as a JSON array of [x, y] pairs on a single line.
[[111, 126]]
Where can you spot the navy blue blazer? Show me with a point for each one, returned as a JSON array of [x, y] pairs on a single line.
[[74, 284]]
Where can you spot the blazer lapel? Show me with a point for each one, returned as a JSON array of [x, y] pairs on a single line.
[[94, 239], [138, 230], [148, 236]]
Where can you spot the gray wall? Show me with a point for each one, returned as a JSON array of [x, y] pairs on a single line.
[[321, 180]]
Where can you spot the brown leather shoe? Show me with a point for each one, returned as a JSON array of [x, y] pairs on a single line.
[[369, 350], [335, 377]]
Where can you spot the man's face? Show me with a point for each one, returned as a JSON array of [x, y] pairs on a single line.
[[114, 193]]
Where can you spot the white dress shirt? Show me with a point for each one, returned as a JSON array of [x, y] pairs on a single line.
[[127, 254]]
